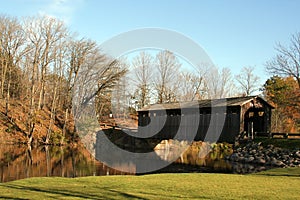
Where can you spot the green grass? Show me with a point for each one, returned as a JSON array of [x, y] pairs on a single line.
[[160, 186]]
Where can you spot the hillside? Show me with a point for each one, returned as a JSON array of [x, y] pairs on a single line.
[[14, 126]]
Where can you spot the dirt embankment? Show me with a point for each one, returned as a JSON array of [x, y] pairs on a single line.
[[14, 124]]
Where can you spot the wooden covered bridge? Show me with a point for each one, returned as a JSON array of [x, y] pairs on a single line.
[[228, 116]]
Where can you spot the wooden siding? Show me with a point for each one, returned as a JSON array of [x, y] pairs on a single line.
[[211, 127], [168, 122]]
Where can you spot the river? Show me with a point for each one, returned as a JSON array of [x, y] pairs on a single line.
[[22, 161]]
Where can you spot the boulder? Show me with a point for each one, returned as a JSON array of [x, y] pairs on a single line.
[[260, 161], [270, 155], [234, 157], [249, 160], [277, 163]]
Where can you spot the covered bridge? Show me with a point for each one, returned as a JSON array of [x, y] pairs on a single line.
[[206, 120]]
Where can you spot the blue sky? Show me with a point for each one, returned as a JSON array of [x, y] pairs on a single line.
[[233, 33]]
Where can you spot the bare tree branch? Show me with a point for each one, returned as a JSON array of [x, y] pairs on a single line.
[[287, 61]]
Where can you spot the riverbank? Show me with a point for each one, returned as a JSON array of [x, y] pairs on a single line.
[[276, 184], [275, 153]]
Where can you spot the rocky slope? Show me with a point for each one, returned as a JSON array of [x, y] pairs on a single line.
[[255, 153]]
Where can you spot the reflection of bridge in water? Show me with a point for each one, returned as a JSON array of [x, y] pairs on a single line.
[[196, 157], [19, 162]]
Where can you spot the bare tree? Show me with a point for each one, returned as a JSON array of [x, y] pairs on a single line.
[[226, 83], [287, 61], [218, 84], [43, 63], [168, 67], [98, 74], [43, 35], [248, 81], [191, 86], [55, 87], [52, 31], [120, 97], [12, 42], [76, 58], [143, 69]]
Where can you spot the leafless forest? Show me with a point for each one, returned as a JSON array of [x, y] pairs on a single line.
[[45, 67]]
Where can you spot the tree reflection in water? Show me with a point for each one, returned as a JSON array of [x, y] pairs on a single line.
[[199, 157], [22, 161]]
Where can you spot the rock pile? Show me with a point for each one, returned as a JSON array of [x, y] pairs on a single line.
[[255, 153]]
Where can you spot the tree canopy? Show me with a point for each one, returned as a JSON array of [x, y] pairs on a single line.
[[285, 96]]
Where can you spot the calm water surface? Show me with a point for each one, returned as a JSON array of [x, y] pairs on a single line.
[[18, 162], [21, 161]]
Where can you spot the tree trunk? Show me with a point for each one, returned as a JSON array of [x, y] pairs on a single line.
[[3, 77], [48, 161], [32, 108], [29, 161], [41, 96], [7, 98], [65, 126], [30, 134], [52, 115], [62, 162]]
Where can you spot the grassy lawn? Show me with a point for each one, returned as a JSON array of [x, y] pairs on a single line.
[[274, 184]]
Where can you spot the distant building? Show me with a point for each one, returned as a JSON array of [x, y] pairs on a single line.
[[209, 120]]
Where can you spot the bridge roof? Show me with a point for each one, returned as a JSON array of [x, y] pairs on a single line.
[[207, 103]]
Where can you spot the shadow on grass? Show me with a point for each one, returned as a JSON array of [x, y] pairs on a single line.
[[3, 197], [289, 172], [126, 195], [53, 191], [276, 174], [101, 193]]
